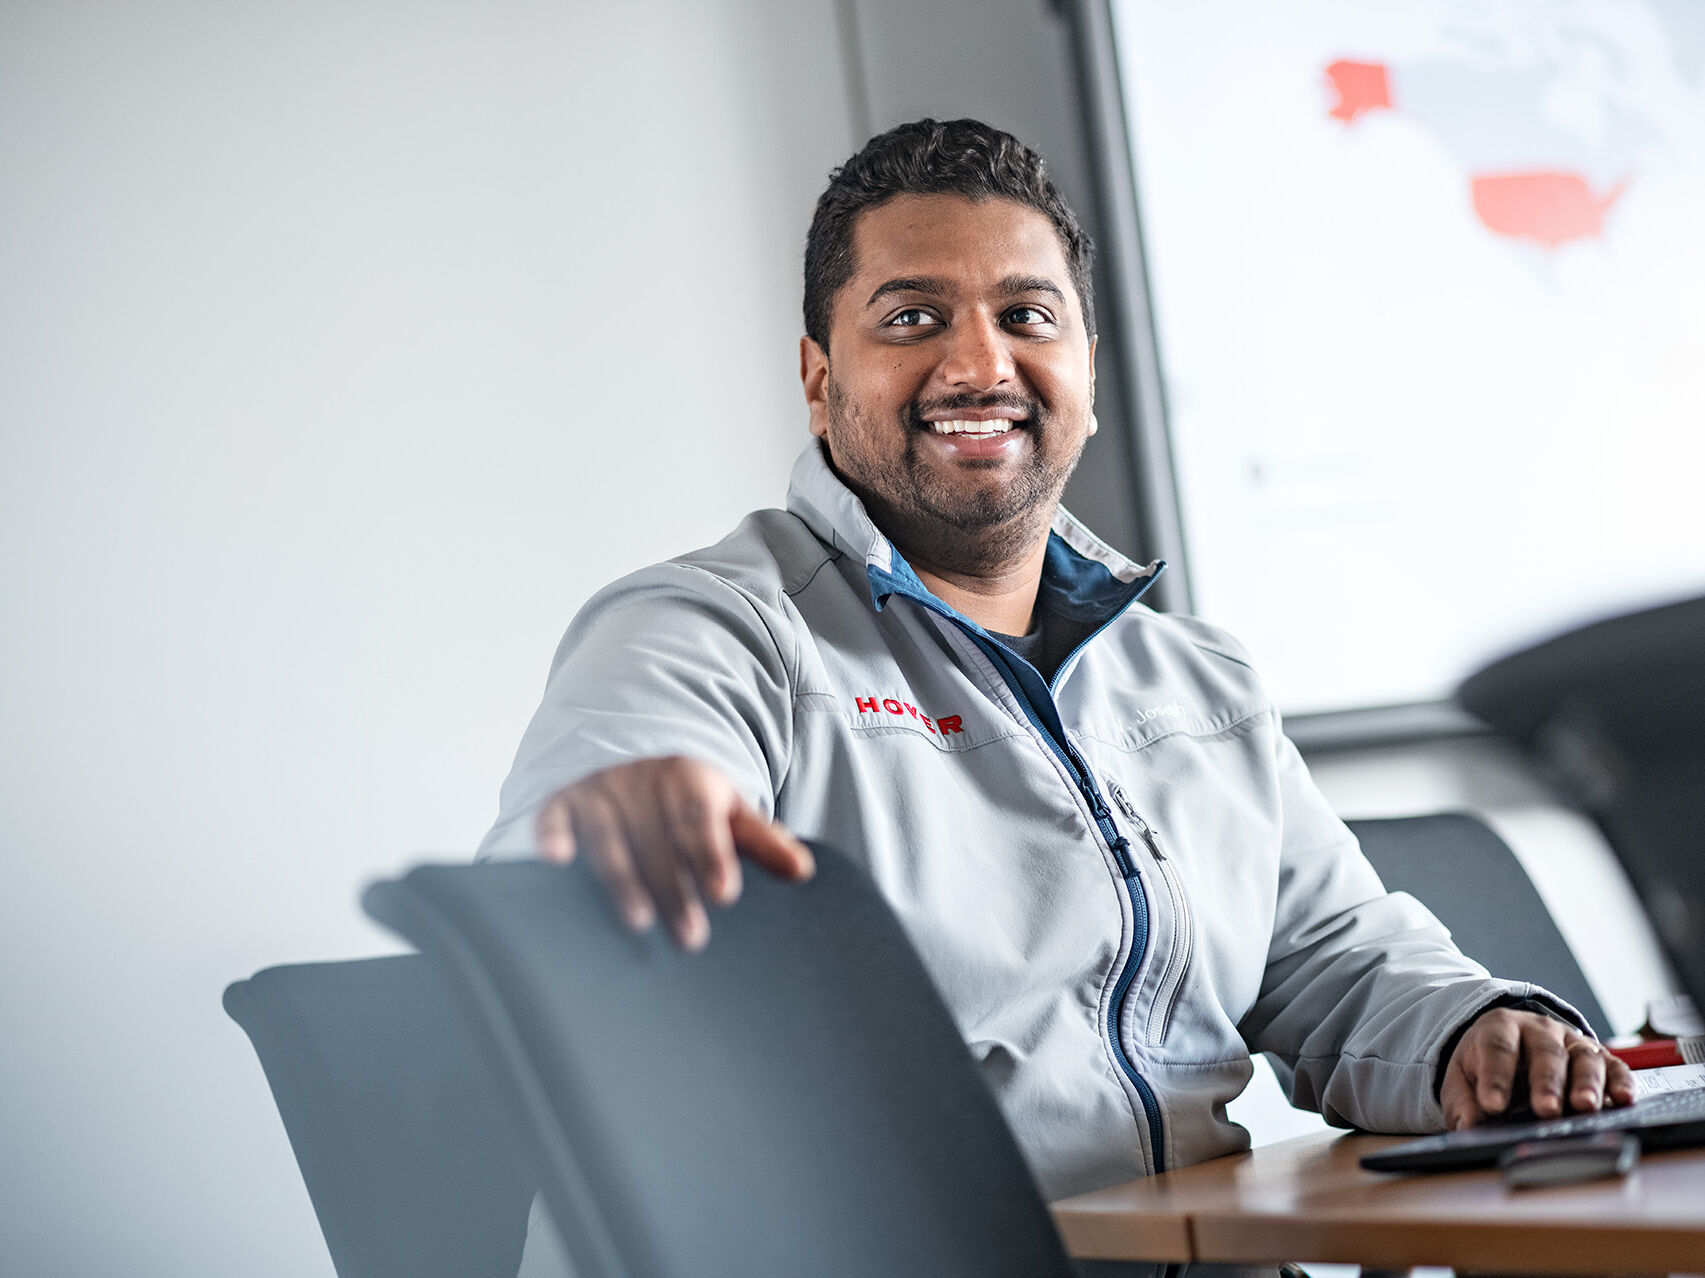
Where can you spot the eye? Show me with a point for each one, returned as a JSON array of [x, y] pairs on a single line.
[[1027, 316], [912, 317]]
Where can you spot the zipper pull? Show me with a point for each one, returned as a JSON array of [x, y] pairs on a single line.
[[1127, 863], [1118, 793], [1097, 804], [1149, 835]]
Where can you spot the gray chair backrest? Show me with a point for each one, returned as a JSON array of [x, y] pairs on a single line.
[[408, 1153], [1615, 713], [1456, 866], [793, 1100]]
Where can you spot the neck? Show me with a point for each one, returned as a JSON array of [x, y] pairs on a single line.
[[997, 596], [990, 573]]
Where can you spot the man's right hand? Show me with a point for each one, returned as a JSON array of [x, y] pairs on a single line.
[[665, 836]]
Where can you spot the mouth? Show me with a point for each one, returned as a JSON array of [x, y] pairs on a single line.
[[973, 421], [968, 426]]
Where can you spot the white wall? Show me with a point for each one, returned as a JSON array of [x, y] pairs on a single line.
[[344, 348]]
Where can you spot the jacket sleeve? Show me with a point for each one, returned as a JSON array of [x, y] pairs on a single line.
[[672, 660], [1363, 989]]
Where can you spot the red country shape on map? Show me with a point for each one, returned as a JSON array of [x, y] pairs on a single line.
[[1361, 87], [1552, 208]]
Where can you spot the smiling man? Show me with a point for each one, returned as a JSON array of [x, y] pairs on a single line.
[[959, 397], [1084, 812]]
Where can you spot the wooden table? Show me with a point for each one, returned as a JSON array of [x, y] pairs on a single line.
[[1306, 1199]]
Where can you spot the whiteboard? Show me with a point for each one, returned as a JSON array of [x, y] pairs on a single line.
[[1428, 285]]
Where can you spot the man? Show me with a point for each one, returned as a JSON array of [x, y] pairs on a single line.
[[1085, 813]]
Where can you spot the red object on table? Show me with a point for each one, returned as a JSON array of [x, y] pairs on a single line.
[[1650, 1054]]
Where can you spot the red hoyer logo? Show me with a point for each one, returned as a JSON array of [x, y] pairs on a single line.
[[948, 723]]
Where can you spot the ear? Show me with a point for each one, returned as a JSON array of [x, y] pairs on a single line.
[[1094, 425], [814, 377]]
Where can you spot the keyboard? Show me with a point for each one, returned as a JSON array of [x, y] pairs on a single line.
[[1666, 1121]]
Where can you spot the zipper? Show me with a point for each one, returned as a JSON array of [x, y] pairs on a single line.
[[1183, 929], [1130, 873], [1183, 947], [1117, 843]]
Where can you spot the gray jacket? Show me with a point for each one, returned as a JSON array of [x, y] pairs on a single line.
[[1123, 884]]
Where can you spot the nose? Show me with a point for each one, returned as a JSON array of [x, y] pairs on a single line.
[[977, 355]]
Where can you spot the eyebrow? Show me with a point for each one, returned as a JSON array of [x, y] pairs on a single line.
[[1031, 284], [926, 284], [931, 286]]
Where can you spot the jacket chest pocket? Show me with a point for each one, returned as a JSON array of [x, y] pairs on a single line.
[[1171, 959]]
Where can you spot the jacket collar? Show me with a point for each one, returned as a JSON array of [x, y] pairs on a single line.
[[1082, 576]]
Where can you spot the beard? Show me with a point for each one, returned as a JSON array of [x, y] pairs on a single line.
[[945, 514]]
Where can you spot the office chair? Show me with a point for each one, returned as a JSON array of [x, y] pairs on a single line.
[[1457, 867], [793, 1100], [395, 1118], [1614, 713]]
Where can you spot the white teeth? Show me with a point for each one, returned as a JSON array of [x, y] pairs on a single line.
[[998, 426]]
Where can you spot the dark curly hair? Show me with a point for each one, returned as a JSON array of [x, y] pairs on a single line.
[[931, 157]]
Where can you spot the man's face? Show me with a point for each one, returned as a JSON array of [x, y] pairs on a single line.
[[955, 396]]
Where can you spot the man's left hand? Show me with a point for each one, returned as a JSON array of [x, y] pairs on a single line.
[[1559, 1061]]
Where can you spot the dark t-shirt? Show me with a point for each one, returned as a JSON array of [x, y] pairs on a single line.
[[1049, 643]]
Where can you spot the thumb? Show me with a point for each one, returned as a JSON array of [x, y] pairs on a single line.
[[1458, 1099], [553, 833], [769, 844]]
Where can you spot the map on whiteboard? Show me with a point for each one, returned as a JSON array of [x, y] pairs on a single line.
[[1426, 283], [1540, 183], [1544, 156]]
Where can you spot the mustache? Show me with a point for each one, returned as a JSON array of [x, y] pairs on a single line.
[[1032, 411]]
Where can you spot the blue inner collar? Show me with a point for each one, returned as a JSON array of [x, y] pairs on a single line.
[[1073, 586]]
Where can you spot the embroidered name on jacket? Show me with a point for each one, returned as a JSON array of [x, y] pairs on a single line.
[[875, 711]]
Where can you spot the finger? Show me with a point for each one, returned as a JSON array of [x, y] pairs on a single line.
[[598, 828], [696, 808], [668, 881], [553, 834], [1586, 1072], [1492, 1056], [1547, 1064], [688, 922], [1618, 1081], [771, 845], [1456, 1097]]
